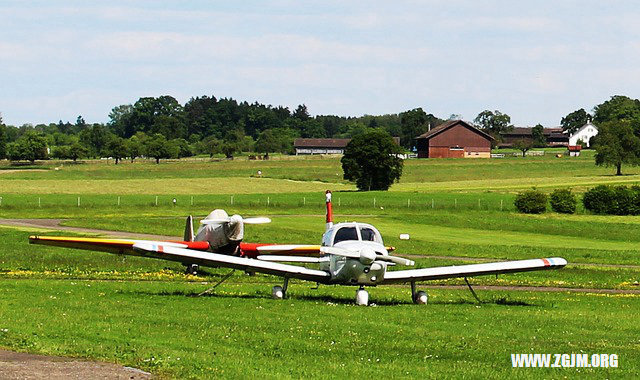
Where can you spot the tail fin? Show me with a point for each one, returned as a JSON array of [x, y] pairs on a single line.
[[188, 229], [329, 210]]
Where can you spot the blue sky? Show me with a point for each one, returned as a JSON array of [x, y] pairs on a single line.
[[536, 61]]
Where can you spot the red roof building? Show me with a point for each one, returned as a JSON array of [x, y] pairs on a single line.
[[454, 139]]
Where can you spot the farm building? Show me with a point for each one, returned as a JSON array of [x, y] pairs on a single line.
[[320, 146], [552, 136], [324, 146], [584, 134], [454, 139]]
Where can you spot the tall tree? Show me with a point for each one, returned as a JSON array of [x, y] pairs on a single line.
[[116, 148], [494, 122], [31, 146], [617, 145], [413, 123], [576, 119], [158, 148], [301, 113], [371, 161], [537, 132], [3, 139], [619, 108]]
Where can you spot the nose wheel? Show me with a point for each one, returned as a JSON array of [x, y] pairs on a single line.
[[362, 297], [418, 297]]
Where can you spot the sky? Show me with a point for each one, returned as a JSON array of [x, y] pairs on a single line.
[[537, 61]]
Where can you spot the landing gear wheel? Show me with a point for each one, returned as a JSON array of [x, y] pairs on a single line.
[[362, 297], [420, 298], [277, 292], [192, 269]]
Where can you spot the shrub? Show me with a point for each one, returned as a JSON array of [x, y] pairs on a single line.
[[598, 199], [563, 201], [621, 202], [634, 207], [531, 202]]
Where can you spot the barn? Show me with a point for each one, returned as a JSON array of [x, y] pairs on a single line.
[[320, 146], [454, 139], [324, 146]]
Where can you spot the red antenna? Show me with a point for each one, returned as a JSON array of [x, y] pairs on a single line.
[[329, 210]]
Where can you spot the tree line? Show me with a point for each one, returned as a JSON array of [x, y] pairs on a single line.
[[161, 127]]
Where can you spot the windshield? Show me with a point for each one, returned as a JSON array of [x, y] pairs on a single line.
[[346, 233]]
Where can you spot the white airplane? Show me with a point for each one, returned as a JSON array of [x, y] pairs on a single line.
[[350, 254]]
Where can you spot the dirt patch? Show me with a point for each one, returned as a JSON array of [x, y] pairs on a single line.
[[54, 224], [7, 171], [17, 365]]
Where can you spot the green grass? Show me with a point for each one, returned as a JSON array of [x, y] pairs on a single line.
[[240, 333], [140, 312]]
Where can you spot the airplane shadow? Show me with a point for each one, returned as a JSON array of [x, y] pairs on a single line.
[[339, 300]]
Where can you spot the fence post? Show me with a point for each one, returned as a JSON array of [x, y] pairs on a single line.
[[478, 204], [500, 204], [304, 201], [0, 201], [232, 200], [118, 200], [156, 200], [433, 203], [455, 203], [268, 201], [338, 201], [78, 201], [374, 202], [38, 201], [408, 202]]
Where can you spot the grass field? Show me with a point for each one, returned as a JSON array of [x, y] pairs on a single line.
[[142, 313]]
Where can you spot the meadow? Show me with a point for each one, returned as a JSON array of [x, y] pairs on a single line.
[[144, 313]]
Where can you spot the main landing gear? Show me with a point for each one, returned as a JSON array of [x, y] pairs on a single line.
[[192, 269], [418, 297], [280, 292]]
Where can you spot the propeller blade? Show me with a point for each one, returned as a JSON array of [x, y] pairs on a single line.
[[215, 221], [340, 252], [257, 220], [396, 260]]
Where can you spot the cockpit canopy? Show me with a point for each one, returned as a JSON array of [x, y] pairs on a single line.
[[351, 232]]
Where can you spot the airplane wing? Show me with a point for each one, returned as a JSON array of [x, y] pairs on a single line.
[[438, 273], [120, 246], [209, 259], [183, 252]]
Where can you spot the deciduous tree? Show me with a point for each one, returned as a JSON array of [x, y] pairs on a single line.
[[31, 146], [371, 161], [494, 122], [617, 145], [576, 119]]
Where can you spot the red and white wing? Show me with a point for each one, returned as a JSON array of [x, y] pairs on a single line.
[[189, 256], [438, 273], [119, 246]]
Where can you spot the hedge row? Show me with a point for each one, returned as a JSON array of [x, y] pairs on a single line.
[[602, 199], [535, 201], [613, 200]]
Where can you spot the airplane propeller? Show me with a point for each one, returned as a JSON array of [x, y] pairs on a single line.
[[366, 255], [255, 220]]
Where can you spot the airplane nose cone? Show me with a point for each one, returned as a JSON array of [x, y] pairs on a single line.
[[367, 256]]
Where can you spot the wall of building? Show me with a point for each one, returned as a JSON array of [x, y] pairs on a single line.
[[459, 141]]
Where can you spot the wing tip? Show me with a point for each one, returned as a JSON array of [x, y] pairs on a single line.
[[556, 261]]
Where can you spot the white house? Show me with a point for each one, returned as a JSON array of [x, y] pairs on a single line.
[[585, 133]]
